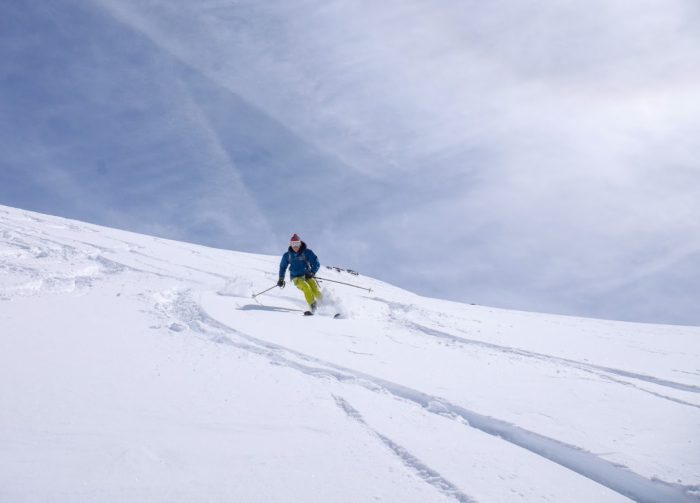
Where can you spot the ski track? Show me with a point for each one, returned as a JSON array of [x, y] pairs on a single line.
[[394, 306], [187, 267], [615, 477], [423, 471], [602, 372], [42, 247], [587, 367]]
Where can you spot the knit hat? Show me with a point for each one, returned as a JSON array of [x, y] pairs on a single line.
[[295, 239]]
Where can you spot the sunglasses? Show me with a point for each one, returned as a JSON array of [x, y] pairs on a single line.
[[295, 244]]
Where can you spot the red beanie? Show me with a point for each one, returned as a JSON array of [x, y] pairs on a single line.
[[295, 238]]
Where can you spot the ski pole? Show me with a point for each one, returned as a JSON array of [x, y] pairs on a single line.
[[340, 282], [256, 294]]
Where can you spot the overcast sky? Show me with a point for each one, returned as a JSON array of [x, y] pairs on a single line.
[[520, 154]]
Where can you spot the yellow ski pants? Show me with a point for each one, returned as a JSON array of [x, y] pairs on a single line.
[[309, 287]]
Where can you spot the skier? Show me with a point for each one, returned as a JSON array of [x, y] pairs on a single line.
[[303, 265]]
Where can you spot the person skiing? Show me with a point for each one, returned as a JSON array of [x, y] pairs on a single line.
[[303, 265]]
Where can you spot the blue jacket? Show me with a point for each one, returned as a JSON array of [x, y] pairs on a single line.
[[299, 263]]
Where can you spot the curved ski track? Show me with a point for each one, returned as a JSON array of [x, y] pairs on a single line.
[[601, 371], [617, 478]]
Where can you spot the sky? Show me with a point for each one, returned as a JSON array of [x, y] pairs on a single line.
[[512, 154]]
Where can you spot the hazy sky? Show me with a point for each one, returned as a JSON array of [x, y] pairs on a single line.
[[520, 154]]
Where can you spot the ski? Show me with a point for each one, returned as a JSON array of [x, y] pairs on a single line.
[[336, 316]]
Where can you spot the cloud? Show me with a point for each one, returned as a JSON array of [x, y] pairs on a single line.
[[517, 154]]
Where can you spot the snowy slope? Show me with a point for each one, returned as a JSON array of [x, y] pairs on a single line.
[[134, 368]]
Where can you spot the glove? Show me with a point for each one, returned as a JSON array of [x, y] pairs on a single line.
[[309, 275], [280, 283]]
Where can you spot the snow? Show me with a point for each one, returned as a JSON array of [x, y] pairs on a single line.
[[134, 368]]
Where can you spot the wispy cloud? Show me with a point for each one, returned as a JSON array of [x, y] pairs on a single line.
[[524, 155]]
